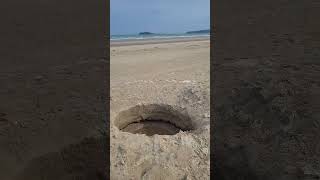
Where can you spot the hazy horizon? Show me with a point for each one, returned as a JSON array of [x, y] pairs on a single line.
[[165, 17], [161, 33]]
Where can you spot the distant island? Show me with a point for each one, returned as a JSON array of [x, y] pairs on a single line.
[[146, 33], [200, 31]]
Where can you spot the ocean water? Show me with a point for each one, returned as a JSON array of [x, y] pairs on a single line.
[[156, 36]]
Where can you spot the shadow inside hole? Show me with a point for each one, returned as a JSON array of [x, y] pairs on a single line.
[[153, 119], [152, 127]]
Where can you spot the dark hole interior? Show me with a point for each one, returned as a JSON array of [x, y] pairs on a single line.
[[153, 119], [151, 127]]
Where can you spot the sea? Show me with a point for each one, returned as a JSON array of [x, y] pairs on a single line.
[[156, 36]]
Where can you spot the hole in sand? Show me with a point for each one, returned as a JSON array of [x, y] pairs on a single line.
[[153, 119]]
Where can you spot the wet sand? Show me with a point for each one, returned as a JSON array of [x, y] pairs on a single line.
[[114, 43]]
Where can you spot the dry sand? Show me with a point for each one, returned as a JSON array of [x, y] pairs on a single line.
[[53, 90], [266, 90], [168, 80]]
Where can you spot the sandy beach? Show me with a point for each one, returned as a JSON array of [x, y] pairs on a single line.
[[170, 77]]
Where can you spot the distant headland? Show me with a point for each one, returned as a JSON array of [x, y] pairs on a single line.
[[145, 33]]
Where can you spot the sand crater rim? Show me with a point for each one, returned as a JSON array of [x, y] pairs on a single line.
[[160, 119]]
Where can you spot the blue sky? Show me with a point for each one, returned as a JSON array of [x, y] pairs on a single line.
[[158, 16]]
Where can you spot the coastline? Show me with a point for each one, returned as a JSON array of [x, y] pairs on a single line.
[[118, 43]]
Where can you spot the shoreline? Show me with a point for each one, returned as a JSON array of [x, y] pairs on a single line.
[[156, 41]]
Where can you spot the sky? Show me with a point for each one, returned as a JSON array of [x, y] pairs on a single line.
[[158, 16]]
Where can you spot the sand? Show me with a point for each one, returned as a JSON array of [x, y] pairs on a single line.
[[53, 90], [160, 80], [266, 90], [46, 118]]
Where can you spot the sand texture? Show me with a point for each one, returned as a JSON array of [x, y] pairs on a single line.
[[266, 91], [53, 89], [165, 81]]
